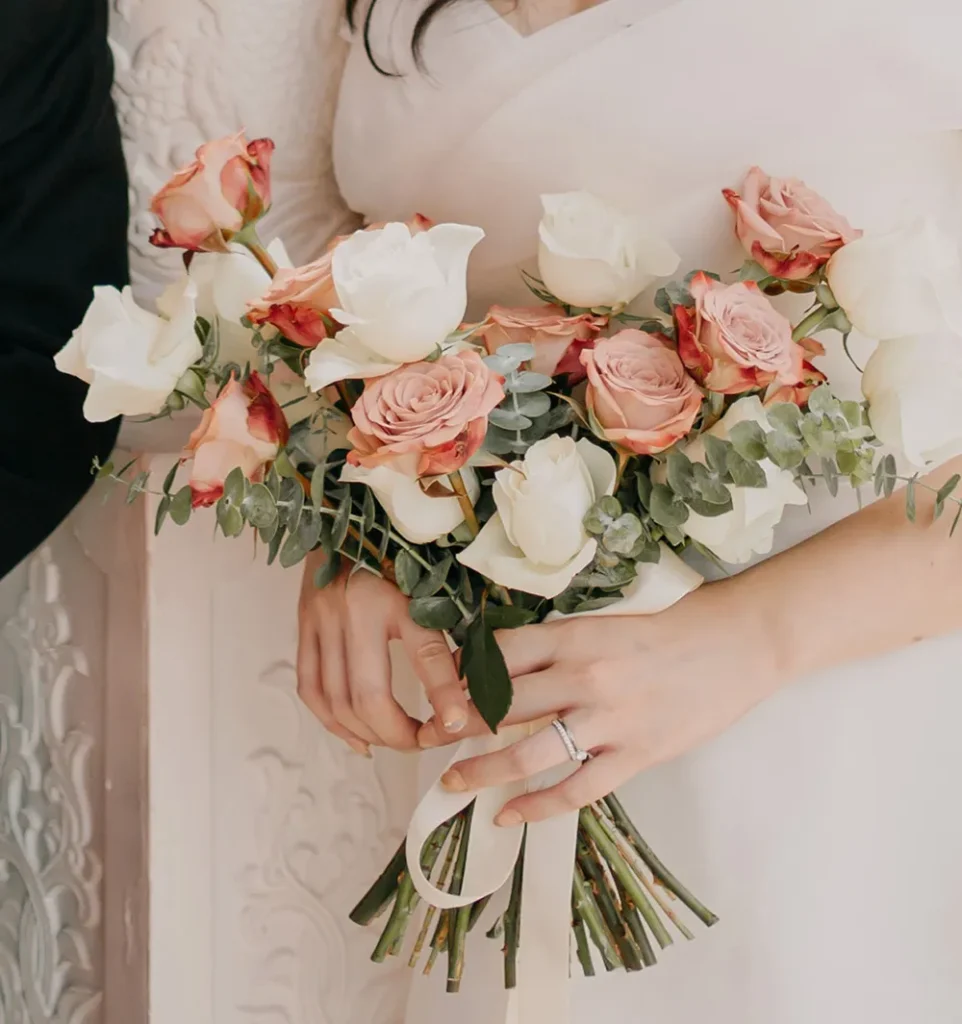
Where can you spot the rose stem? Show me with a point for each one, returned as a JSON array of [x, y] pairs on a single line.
[[380, 894], [344, 392], [477, 909], [603, 836], [581, 939], [408, 898], [661, 873], [623, 459], [439, 941], [512, 922], [588, 909], [442, 882], [653, 890], [458, 927], [614, 922], [812, 323], [636, 927], [464, 500], [263, 257]]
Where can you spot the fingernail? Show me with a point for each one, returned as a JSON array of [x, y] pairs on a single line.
[[455, 721], [427, 738], [453, 780], [360, 747], [508, 818]]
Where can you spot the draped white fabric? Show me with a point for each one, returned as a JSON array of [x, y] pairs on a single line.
[[823, 827]]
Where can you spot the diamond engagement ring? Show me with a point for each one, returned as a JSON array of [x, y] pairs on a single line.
[[574, 751]]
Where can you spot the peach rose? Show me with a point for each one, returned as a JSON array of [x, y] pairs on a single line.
[[785, 226], [558, 339], [299, 301], [812, 378], [734, 340], [226, 188], [427, 419], [639, 393], [244, 427]]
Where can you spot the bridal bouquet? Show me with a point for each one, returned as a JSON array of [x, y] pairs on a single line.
[[556, 459]]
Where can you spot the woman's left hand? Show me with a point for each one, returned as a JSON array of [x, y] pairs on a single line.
[[633, 691]]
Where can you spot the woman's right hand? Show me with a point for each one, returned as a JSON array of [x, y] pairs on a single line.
[[343, 666]]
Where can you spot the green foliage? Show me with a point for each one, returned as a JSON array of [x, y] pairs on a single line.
[[484, 668]]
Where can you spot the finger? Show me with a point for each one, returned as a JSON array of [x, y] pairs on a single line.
[[522, 760], [310, 691], [535, 696], [592, 781], [335, 679], [369, 678], [435, 666], [529, 648]]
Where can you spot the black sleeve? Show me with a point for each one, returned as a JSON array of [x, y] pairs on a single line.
[[63, 225]]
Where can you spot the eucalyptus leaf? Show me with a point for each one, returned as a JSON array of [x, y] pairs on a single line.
[[435, 579], [292, 512], [259, 506], [681, 473], [784, 450], [830, 475], [528, 381], [623, 534], [484, 668], [708, 487], [275, 545], [341, 524], [309, 530], [911, 506], [955, 522], [407, 572], [786, 415], [522, 351], [163, 507], [533, 405], [847, 462], [284, 466], [508, 419], [666, 508], [594, 603], [434, 612], [169, 478], [823, 402], [136, 487], [498, 442], [745, 472], [229, 518], [368, 509], [644, 486], [716, 452], [710, 509], [748, 439], [508, 616], [180, 506], [648, 552], [891, 475], [292, 551], [318, 482], [326, 572]]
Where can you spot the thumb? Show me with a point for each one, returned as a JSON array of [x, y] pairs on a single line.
[[434, 663]]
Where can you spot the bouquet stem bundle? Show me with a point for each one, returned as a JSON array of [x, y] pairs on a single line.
[[622, 899]]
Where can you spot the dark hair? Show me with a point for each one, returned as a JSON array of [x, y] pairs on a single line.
[[417, 38]]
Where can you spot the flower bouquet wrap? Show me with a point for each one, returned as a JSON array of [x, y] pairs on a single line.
[[559, 459]]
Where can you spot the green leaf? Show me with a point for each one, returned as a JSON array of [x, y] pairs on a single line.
[[623, 534], [823, 402], [708, 487], [235, 485], [368, 509], [594, 603], [891, 475], [666, 508], [847, 462], [180, 506], [911, 509], [681, 473], [710, 509], [533, 405], [745, 472], [275, 545], [136, 487], [259, 507], [508, 616], [784, 450], [955, 522], [716, 453], [945, 492], [435, 579], [169, 479], [830, 474], [292, 551], [528, 380], [318, 480], [163, 507], [644, 486], [284, 466], [326, 572], [853, 413], [435, 612], [407, 572], [508, 419], [309, 531], [879, 480], [649, 552], [748, 439], [484, 668], [602, 514], [229, 518], [341, 524], [786, 415], [103, 470]]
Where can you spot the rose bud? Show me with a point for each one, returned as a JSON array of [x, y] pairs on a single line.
[[786, 226], [425, 419], [558, 339], [227, 187], [299, 300], [639, 394], [244, 427], [734, 340]]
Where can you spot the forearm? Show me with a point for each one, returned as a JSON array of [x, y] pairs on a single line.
[[873, 583]]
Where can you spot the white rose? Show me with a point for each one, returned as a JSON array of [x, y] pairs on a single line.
[[901, 284], [401, 295], [536, 542], [592, 255], [749, 528], [914, 390], [131, 359], [420, 518]]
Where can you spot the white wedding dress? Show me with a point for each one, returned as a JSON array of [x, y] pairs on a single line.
[[824, 828]]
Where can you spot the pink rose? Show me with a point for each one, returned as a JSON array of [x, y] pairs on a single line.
[[558, 339], [734, 340], [639, 392], [226, 188], [244, 427], [298, 302], [811, 378], [785, 226], [426, 418]]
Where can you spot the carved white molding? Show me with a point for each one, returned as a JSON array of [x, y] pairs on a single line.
[[50, 874]]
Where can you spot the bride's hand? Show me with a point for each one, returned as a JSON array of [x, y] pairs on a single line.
[[632, 691], [343, 668]]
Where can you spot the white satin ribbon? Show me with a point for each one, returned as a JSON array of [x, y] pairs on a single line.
[[545, 927]]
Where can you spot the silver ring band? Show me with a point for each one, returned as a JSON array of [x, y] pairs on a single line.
[[574, 751]]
